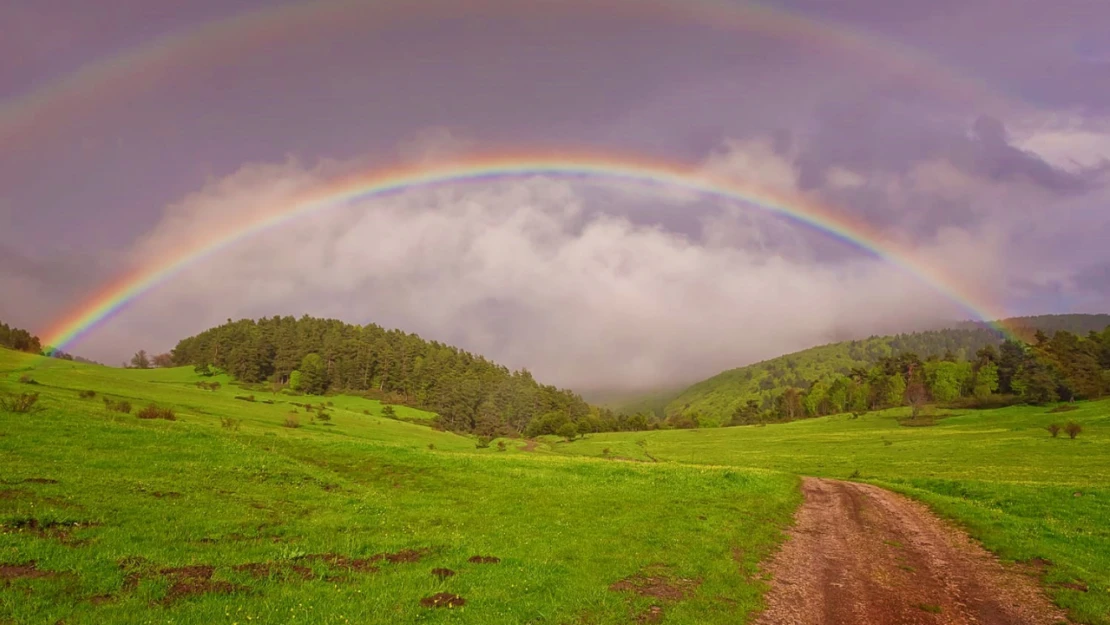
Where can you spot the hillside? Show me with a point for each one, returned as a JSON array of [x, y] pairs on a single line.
[[716, 399], [319, 356], [1026, 495], [226, 514]]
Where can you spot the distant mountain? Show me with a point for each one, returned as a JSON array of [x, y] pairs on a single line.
[[714, 400]]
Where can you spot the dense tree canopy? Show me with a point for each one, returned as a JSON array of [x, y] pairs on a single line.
[[317, 356], [19, 340]]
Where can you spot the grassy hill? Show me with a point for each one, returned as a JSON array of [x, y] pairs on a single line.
[[224, 515], [715, 399], [1027, 496]]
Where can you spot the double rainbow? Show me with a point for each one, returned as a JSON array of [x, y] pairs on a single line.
[[590, 166]]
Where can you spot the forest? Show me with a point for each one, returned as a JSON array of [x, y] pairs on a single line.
[[468, 392], [19, 340]]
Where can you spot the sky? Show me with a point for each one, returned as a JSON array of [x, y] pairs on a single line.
[[975, 133]]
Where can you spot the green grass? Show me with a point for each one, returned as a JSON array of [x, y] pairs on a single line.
[[83, 490], [1024, 494]]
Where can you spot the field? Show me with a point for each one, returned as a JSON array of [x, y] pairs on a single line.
[[225, 515], [1027, 496]]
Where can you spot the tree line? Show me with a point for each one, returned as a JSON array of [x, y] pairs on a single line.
[[468, 392], [1061, 367], [19, 340]]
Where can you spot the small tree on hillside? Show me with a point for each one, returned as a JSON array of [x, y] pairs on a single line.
[[388, 411], [1073, 429], [568, 430], [162, 361], [140, 360]]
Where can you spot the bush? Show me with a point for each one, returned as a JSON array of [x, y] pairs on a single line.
[[291, 422], [431, 446], [245, 397], [117, 406], [605, 452], [228, 423], [483, 442], [87, 394], [24, 403], [366, 412], [154, 412], [1053, 429], [388, 411], [208, 386], [568, 431], [1073, 429], [26, 379], [501, 446], [323, 416]]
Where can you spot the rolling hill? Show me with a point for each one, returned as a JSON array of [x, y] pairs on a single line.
[[715, 399]]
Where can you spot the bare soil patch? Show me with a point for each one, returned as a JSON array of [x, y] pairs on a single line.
[[39, 480], [403, 556], [860, 554], [484, 560], [443, 600], [655, 583], [192, 581], [27, 570], [443, 573]]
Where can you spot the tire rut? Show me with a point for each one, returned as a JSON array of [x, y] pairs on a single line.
[[860, 554]]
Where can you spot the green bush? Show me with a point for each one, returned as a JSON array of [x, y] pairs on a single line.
[[291, 422], [23, 403], [154, 412], [1073, 429], [117, 405], [228, 423], [26, 379], [483, 442], [1054, 429], [568, 430], [87, 394]]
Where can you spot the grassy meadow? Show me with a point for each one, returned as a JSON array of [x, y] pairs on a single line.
[[225, 515], [1027, 496]]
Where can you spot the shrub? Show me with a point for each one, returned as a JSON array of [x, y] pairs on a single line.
[[228, 423], [431, 446], [1053, 429], [501, 446], [291, 422], [87, 394], [568, 431], [245, 397], [26, 379], [366, 412], [323, 416], [388, 411], [605, 452], [154, 412], [208, 386], [1073, 429], [117, 406], [24, 403], [331, 403], [483, 442]]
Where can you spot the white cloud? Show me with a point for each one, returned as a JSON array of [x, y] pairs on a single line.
[[519, 271]]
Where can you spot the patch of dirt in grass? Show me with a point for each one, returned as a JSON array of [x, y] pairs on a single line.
[[278, 570], [1064, 408], [15, 493], [193, 581], [443, 600], [484, 560], [57, 530], [39, 480], [102, 599], [404, 556], [1077, 586], [28, 570], [654, 583], [166, 495], [443, 573]]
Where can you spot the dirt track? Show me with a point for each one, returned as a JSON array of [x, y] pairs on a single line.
[[862, 555]]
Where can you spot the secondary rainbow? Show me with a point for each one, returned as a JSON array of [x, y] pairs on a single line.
[[593, 167], [219, 41]]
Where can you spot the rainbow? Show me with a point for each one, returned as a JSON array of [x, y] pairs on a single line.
[[589, 166], [46, 106]]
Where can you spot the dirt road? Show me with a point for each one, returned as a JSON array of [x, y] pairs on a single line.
[[860, 555]]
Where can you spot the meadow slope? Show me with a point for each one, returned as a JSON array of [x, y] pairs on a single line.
[[1028, 497], [108, 518]]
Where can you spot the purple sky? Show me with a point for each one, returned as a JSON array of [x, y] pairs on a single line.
[[1004, 183]]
